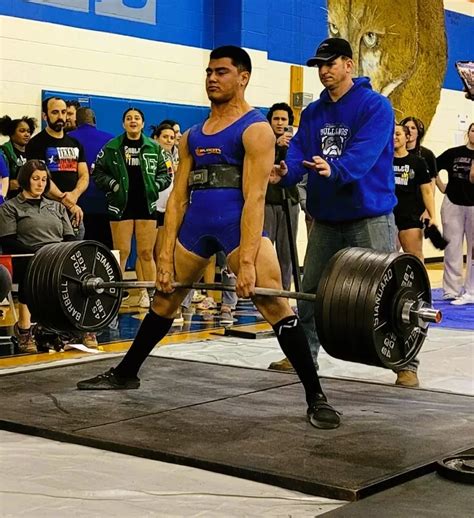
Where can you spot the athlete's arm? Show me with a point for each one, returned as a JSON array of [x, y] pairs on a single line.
[[259, 144], [175, 210]]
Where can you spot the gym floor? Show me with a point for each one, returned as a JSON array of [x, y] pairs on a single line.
[[41, 477]]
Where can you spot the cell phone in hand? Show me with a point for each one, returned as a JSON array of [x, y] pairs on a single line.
[[465, 70], [288, 129]]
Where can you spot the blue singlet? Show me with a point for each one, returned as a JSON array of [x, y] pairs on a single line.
[[212, 220]]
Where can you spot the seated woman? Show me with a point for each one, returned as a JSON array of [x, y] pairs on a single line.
[[132, 172], [27, 222], [414, 193]]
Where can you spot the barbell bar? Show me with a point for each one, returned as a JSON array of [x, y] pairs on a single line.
[[411, 309], [370, 307]]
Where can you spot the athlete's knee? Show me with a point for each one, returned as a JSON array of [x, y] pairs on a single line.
[[145, 254]]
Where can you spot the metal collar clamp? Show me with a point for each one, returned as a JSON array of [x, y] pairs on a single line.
[[216, 176]]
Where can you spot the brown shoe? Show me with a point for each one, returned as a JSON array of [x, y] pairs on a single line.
[[407, 379], [90, 340], [282, 365], [26, 340]]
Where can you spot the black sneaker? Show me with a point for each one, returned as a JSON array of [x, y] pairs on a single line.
[[322, 415], [109, 381]]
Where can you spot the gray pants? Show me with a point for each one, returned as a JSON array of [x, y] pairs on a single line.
[[458, 224], [276, 228]]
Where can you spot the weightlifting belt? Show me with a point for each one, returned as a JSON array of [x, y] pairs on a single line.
[[216, 176]]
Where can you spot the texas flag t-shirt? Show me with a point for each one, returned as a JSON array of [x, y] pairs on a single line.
[[61, 155]]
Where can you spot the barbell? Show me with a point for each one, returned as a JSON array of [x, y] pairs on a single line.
[[370, 307]]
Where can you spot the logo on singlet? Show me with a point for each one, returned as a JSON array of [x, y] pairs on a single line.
[[201, 151]]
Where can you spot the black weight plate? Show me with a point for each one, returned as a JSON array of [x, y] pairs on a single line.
[[62, 322], [30, 280], [88, 312], [362, 272], [341, 335], [393, 347], [459, 468], [384, 260], [322, 304], [46, 304], [396, 345], [74, 265], [321, 297], [329, 315], [67, 319], [43, 303], [342, 309], [109, 301], [363, 351]]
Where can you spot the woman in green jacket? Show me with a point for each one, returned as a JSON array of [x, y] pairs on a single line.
[[132, 171], [19, 131]]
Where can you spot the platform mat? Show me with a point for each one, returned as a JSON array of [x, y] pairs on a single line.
[[247, 423], [429, 496]]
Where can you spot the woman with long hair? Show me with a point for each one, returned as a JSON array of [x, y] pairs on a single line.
[[414, 195], [19, 132], [131, 169]]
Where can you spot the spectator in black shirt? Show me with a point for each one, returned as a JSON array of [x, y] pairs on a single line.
[[414, 195], [457, 215], [64, 156], [19, 132]]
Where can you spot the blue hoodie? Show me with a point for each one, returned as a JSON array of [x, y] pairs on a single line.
[[355, 136]]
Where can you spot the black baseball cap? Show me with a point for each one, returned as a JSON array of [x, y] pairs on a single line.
[[330, 49]]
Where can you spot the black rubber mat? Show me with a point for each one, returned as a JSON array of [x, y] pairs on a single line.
[[246, 422], [429, 496]]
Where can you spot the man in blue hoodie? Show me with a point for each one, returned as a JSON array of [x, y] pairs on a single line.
[[345, 144]]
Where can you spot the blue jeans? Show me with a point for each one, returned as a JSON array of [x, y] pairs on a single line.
[[324, 241]]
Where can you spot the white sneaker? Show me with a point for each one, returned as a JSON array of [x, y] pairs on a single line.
[[144, 301], [178, 319], [450, 296], [464, 299]]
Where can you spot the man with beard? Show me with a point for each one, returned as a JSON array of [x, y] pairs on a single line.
[[71, 106], [64, 156], [218, 203]]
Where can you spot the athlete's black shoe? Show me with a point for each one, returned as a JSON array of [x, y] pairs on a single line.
[[322, 415], [109, 381]]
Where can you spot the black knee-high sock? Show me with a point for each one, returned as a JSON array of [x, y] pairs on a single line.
[[294, 344], [152, 330]]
